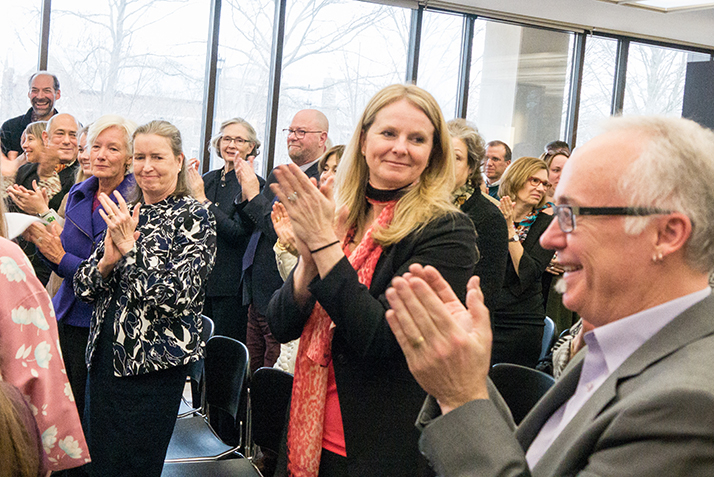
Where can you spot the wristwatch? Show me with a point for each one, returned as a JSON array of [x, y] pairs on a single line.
[[515, 238]]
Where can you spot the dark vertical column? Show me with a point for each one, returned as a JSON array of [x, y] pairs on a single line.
[[618, 88], [462, 92], [414, 45], [576, 84], [45, 34], [210, 83], [276, 68]]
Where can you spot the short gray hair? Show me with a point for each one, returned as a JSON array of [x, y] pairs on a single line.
[[252, 136], [107, 121], [674, 172]]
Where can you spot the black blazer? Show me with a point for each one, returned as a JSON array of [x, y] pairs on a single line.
[[492, 242], [521, 295], [232, 232], [379, 398], [262, 279]]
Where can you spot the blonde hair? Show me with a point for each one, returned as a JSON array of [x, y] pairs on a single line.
[[36, 129], [171, 133], [430, 198], [517, 174]]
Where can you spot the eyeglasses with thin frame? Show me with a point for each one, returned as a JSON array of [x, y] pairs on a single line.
[[535, 182], [238, 140], [566, 213], [299, 133]]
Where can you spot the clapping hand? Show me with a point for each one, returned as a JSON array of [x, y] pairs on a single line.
[[33, 202], [121, 230], [447, 345]]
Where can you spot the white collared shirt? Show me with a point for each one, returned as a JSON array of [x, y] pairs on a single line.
[[608, 347]]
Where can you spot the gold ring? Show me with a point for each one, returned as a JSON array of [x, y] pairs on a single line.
[[111, 216], [39, 239], [418, 342]]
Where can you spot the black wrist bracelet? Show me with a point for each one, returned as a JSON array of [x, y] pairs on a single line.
[[325, 246]]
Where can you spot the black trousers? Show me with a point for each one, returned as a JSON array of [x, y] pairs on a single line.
[[73, 341]]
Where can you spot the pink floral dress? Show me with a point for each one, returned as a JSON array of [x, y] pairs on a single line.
[[30, 359]]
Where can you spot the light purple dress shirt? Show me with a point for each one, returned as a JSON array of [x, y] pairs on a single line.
[[608, 347]]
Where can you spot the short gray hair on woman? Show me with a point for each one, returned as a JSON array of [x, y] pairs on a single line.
[[252, 136], [127, 126], [675, 172], [475, 150]]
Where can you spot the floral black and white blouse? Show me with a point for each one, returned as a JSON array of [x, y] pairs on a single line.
[[161, 284]]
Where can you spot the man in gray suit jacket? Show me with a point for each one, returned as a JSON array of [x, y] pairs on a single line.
[[634, 235]]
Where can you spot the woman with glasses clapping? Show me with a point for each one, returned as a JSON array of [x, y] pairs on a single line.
[[518, 320], [217, 191]]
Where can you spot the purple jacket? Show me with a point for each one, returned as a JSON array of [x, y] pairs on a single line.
[[83, 231]]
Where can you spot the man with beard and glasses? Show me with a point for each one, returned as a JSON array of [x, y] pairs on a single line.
[[44, 91]]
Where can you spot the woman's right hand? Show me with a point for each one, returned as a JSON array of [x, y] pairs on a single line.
[[195, 181], [121, 230], [283, 227]]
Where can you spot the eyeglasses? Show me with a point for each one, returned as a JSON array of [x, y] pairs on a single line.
[[535, 182], [299, 133], [238, 140], [566, 213]]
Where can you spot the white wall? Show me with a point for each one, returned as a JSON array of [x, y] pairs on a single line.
[[694, 28]]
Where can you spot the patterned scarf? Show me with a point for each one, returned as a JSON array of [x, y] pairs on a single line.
[[307, 410], [524, 225], [462, 194]]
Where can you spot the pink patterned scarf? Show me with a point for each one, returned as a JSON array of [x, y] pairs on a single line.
[[307, 410]]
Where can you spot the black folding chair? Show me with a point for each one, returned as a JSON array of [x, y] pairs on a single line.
[[195, 376], [270, 391], [226, 367], [521, 387]]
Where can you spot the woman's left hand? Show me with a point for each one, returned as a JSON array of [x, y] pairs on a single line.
[[506, 208], [33, 202], [311, 210], [121, 224]]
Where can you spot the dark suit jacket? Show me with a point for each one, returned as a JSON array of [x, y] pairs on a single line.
[[379, 398], [653, 416], [232, 232], [262, 279]]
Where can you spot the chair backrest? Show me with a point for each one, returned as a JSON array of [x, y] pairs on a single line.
[[549, 337], [195, 370], [226, 366], [270, 391], [208, 328], [520, 387]]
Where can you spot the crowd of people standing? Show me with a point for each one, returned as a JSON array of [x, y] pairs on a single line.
[[134, 244]]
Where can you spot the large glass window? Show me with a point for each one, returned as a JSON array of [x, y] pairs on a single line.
[[19, 51], [142, 59], [337, 55], [597, 85], [246, 33], [655, 80], [439, 58], [519, 81]]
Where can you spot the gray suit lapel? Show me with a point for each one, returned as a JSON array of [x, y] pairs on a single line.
[[691, 325]]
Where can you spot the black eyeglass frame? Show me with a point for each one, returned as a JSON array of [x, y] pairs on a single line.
[[299, 133], [621, 211]]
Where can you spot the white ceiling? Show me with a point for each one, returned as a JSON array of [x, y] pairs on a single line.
[[694, 28]]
